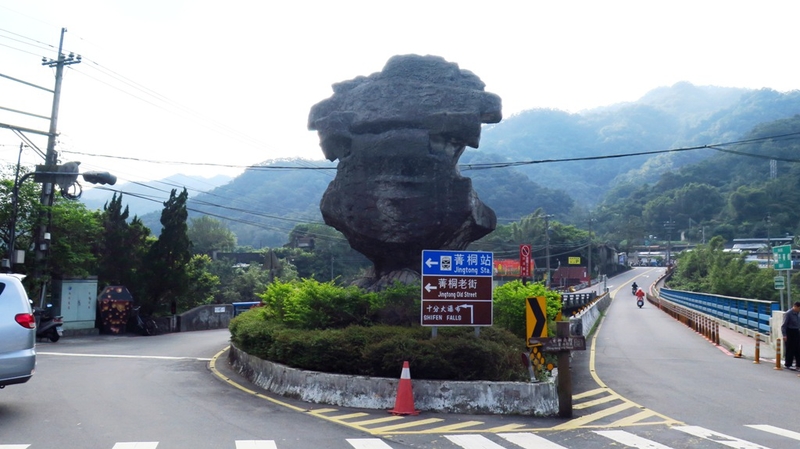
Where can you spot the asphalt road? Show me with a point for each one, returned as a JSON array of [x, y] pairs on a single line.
[[645, 381], [98, 392]]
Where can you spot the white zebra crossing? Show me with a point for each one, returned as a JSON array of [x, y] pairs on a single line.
[[368, 443], [720, 438], [148, 445], [631, 440], [255, 444], [523, 440]]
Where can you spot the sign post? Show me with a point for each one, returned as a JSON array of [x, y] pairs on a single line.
[[783, 261], [457, 288], [524, 261]]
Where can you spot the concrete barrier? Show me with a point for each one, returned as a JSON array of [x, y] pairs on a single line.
[[583, 322], [474, 397], [212, 316]]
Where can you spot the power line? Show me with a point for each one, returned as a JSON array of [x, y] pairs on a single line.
[[490, 165]]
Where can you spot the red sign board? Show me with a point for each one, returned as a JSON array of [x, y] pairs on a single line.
[[525, 261]]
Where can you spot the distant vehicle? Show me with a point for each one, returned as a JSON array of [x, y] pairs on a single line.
[[17, 332]]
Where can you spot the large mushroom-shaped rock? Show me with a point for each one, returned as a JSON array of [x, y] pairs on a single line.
[[398, 135]]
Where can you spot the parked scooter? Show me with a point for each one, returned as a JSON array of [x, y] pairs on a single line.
[[47, 324]]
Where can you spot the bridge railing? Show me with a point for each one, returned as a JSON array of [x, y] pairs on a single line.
[[752, 314]]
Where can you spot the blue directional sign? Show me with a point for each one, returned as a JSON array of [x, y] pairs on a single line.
[[456, 288], [457, 263]]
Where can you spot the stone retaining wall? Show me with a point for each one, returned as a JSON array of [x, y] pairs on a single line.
[[478, 397]]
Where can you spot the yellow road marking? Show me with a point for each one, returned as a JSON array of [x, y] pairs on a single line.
[[584, 420], [587, 404], [352, 415], [377, 421], [452, 427], [319, 411], [589, 393], [506, 428], [635, 420], [408, 424]]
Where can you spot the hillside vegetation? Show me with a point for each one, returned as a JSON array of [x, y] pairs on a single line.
[[263, 205]]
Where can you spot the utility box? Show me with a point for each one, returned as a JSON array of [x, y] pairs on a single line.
[[76, 301]]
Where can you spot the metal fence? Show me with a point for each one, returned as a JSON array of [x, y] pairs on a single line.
[[752, 314]]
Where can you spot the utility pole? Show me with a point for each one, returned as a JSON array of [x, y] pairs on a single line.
[[51, 158], [547, 248], [767, 220], [589, 264], [670, 225]]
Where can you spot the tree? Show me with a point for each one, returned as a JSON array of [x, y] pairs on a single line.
[[28, 212], [122, 246], [167, 259], [208, 235], [74, 232], [202, 284]]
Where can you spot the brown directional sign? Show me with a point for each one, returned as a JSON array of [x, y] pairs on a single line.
[[456, 287], [556, 344], [456, 313]]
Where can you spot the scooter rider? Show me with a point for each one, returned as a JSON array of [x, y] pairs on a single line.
[[634, 287], [639, 295]]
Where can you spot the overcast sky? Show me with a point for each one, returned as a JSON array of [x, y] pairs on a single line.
[[231, 83]]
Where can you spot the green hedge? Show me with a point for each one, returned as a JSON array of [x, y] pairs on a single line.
[[455, 354], [322, 327]]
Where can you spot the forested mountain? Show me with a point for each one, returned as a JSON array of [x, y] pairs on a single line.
[[744, 190], [263, 205], [666, 118], [145, 197]]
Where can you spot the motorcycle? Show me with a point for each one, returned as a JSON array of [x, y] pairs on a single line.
[[47, 324], [639, 299], [633, 289]]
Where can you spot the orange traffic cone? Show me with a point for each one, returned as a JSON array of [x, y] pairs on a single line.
[[404, 402]]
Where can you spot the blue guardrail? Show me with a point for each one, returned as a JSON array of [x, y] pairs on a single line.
[[753, 314]]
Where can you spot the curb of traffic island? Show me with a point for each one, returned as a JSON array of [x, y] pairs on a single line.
[[379, 393]]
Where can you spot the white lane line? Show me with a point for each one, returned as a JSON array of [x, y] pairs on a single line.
[[528, 440], [717, 437], [368, 443], [629, 439], [14, 446], [473, 442], [135, 445], [776, 430], [123, 356], [255, 444]]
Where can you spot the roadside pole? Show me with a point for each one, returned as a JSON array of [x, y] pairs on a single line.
[[564, 374]]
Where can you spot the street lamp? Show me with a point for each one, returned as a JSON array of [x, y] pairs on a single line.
[[64, 175]]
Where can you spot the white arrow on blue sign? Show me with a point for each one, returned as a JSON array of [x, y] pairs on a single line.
[[457, 263]]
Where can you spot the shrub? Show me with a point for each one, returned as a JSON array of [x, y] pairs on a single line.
[[308, 304], [455, 354], [509, 305], [322, 327]]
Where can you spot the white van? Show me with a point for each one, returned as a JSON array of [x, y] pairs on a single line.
[[17, 332]]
